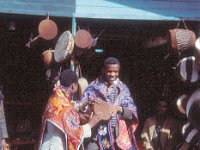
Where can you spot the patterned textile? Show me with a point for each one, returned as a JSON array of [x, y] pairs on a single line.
[[60, 111], [120, 96]]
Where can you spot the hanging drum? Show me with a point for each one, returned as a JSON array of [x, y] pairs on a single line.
[[48, 56], [47, 29], [83, 39], [182, 102], [64, 47], [186, 70], [182, 39]]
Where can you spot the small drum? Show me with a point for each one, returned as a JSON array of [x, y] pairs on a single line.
[[186, 70], [48, 56], [102, 109], [64, 47], [83, 39], [47, 29], [182, 39]]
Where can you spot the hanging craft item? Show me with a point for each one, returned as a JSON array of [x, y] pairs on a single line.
[[197, 44], [47, 30], [197, 53], [48, 56], [83, 39], [186, 70], [182, 39], [182, 102], [64, 47]]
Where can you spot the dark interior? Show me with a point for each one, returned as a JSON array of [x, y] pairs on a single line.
[[146, 71]]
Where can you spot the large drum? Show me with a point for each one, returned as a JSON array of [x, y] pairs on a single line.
[[182, 39], [186, 70], [64, 47]]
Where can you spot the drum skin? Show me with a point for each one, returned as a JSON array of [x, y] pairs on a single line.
[[64, 47], [102, 109], [83, 39], [47, 29]]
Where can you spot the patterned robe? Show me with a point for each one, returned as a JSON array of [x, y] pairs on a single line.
[[98, 89], [60, 112]]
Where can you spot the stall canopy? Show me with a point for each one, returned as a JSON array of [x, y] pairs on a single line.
[[107, 9]]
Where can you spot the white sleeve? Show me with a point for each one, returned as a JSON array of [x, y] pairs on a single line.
[[87, 131]]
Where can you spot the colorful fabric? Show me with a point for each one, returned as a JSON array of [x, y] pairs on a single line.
[[60, 111], [120, 96]]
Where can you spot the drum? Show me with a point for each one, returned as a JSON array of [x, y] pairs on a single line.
[[47, 29], [48, 56], [83, 39], [182, 39], [186, 70], [64, 47], [102, 108]]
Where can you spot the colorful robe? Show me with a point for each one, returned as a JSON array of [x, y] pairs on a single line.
[[126, 140], [60, 111]]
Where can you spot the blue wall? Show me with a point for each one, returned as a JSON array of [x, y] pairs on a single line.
[[107, 9]]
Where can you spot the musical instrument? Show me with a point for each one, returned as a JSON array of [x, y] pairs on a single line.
[[102, 109], [83, 39], [48, 56], [64, 47]]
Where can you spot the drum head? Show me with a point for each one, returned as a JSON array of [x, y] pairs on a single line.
[[83, 39], [47, 29], [64, 47], [102, 109]]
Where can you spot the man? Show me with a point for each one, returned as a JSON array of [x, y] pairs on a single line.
[[3, 127], [60, 125], [161, 132], [113, 134]]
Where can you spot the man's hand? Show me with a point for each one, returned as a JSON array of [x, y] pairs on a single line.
[[3, 144], [94, 119], [114, 109]]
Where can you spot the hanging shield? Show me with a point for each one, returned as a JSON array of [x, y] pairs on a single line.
[[186, 70], [64, 47]]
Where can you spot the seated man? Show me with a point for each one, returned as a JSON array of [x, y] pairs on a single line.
[[61, 129], [160, 132]]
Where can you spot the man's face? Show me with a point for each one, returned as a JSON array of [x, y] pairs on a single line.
[[161, 108], [111, 73]]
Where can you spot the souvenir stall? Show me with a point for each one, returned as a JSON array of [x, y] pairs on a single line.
[[154, 41]]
